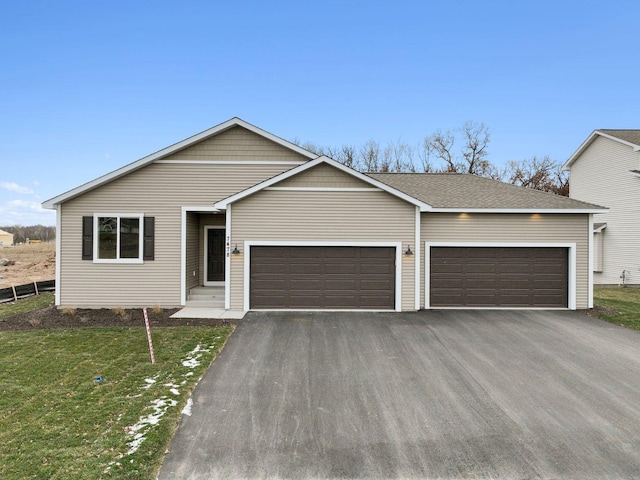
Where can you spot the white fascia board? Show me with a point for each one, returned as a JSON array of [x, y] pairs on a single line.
[[589, 140], [294, 171], [172, 149], [635, 174], [520, 210]]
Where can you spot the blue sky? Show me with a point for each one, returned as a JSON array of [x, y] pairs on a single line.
[[87, 87]]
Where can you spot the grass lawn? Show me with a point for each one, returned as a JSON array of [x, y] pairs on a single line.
[[26, 304], [621, 305], [58, 422]]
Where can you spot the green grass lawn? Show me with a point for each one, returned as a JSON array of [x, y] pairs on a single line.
[[26, 304], [621, 305], [57, 422]]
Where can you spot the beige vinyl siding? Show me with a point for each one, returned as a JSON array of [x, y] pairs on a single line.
[[322, 216], [601, 176], [322, 175], [193, 247], [158, 190], [237, 144], [524, 228], [217, 220]]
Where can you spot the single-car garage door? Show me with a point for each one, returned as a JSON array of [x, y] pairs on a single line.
[[305, 277], [499, 277]]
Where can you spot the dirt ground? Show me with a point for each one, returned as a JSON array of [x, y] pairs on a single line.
[[33, 262], [51, 317]]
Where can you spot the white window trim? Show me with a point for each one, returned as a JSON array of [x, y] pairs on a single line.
[[571, 301], [96, 237], [278, 243]]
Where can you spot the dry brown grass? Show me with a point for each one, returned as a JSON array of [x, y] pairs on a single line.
[[32, 253], [36, 261]]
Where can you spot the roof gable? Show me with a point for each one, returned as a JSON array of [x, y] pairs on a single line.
[[163, 154], [365, 179], [630, 138], [237, 144]]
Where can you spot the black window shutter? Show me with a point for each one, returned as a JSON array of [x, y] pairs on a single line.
[[149, 238], [87, 238]]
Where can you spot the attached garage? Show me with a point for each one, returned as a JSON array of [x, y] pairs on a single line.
[[499, 276], [322, 277]]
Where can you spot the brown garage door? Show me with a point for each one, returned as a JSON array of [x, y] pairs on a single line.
[[499, 277], [322, 277]]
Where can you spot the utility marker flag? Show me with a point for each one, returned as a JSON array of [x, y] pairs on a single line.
[[146, 322]]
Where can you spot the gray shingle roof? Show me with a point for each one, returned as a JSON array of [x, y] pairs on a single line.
[[631, 136], [455, 190]]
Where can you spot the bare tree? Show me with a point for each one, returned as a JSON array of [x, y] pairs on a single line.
[[439, 152], [440, 145], [475, 150], [370, 156], [538, 173]]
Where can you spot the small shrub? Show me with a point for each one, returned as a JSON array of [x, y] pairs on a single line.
[[69, 311], [157, 309], [121, 312], [34, 322]]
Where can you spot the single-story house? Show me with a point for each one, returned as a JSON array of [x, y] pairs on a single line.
[[6, 239], [279, 227]]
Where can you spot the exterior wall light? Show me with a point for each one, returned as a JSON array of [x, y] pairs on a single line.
[[408, 252], [235, 250]]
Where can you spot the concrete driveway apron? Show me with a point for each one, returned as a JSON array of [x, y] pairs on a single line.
[[435, 394]]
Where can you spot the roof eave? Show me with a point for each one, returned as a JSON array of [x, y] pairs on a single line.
[[519, 210]]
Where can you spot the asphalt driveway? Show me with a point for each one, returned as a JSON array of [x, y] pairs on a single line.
[[436, 394]]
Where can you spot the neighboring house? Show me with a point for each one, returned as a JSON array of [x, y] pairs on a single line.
[[6, 239], [278, 227], [605, 170]]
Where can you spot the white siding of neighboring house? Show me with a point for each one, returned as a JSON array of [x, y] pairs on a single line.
[[601, 176]]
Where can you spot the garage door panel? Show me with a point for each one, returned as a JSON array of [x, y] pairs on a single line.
[[499, 276], [322, 277], [340, 284], [347, 268]]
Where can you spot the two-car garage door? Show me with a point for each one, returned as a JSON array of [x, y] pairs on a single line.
[[499, 277], [322, 277]]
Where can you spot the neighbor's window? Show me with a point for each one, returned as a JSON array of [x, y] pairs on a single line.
[[118, 238]]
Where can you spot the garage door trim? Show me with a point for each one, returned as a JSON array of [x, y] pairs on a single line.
[[299, 243], [571, 265]]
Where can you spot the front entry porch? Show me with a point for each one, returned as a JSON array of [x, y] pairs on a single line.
[[204, 263]]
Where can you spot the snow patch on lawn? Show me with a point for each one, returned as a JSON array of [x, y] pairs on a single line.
[[150, 381], [159, 407], [187, 408]]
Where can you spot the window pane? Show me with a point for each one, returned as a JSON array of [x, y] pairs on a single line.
[[129, 238], [107, 237]]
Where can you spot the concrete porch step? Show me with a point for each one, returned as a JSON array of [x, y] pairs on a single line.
[[206, 293], [206, 302]]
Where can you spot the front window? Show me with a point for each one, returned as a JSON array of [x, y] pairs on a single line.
[[118, 238]]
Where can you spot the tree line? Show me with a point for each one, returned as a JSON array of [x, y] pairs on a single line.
[[462, 150], [33, 232]]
